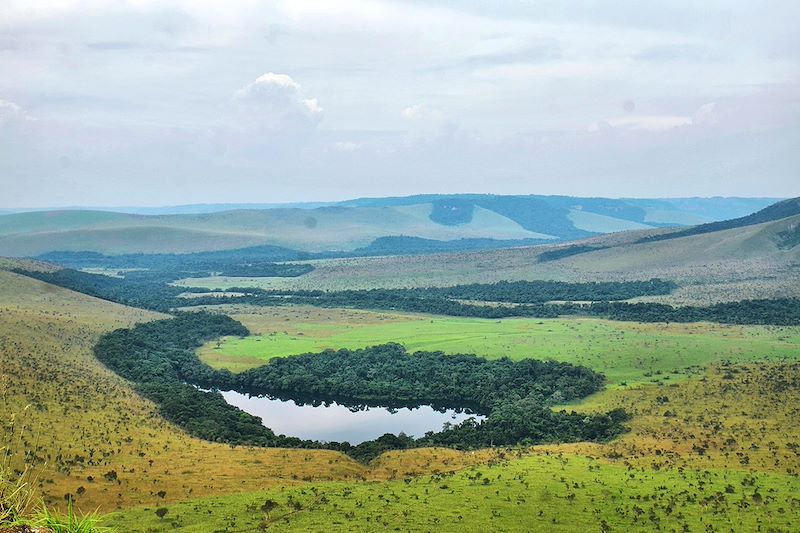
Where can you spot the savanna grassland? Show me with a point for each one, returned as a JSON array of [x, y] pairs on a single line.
[[717, 453], [88, 435], [718, 450], [626, 352], [722, 266]]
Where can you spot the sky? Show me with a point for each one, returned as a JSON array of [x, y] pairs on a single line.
[[165, 102]]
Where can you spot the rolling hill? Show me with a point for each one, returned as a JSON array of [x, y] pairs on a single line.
[[776, 211], [742, 261], [89, 435], [347, 226]]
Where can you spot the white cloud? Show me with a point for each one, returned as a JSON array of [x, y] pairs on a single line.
[[131, 92], [275, 98], [423, 112], [413, 112], [347, 146], [9, 111]]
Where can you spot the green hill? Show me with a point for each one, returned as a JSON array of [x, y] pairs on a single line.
[[777, 211], [742, 262], [354, 224]]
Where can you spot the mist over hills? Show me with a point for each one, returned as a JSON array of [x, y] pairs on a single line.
[[466, 221]]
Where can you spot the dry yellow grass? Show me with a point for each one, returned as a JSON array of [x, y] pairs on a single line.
[[85, 422], [741, 417], [92, 436]]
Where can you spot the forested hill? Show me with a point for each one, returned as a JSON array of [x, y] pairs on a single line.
[[464, 221], [777, 211]]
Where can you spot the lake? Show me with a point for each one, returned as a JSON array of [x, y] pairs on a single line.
[[335, 422]]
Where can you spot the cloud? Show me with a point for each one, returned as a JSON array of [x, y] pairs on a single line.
[[412, 112], [654, 123], [347, 146], [422, 112], [451, 95], [9, 111], [277, 100]]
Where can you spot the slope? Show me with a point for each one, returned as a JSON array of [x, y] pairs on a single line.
[[756, 261], [325, 228], [350, 225], [777, 211], [88, 434]]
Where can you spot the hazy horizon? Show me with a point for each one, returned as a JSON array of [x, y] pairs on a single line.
[[169, 102], [322, 203]]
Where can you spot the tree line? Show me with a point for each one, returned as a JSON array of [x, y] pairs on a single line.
[[507, 299], [159, 358], [777, 311]]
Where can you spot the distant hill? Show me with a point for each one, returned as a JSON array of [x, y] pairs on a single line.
[[762, 241], [432, 222], [777, 211], [756, 260]]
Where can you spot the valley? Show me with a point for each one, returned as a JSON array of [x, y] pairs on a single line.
[[705, 438], [399, 266]]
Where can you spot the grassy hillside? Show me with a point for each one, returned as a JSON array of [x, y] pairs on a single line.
[[716, 452], [624, 352], [325, 228], [777, 211], [89, 435], [718, 449], [537, 493], [346, 226], [759, 241], [684, 211], [748, 262]]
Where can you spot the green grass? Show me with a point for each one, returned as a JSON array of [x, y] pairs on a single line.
[[625, 352], [71, 522], [538, 493]]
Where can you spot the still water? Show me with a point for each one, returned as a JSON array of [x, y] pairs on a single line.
[[334, 422]]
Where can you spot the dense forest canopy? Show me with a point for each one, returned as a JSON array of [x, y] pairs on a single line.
[[387, 373], [159, 358]]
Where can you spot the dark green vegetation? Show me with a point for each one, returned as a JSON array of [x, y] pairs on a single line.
[[536, 291], [136, 291], [251, 261], [780, 311], [519, 299], [257, 261], [149, 289], [784, 209], [387, 373], [451, 212], [159, 358], [566, 251]]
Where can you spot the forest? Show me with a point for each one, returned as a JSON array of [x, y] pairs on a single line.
[[159, 358], [150, 290], [227, 260]]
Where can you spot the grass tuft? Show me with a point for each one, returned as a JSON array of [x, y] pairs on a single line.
[[17, 482], [71, 523]]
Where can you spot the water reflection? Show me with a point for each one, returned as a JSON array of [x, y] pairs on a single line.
[[335, 422]]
